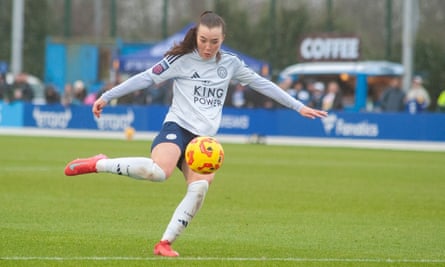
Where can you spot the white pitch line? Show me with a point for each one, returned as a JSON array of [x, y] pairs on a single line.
[[270, 140], [93, 258]]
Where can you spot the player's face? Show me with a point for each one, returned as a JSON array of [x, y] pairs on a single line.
[[209, 41]]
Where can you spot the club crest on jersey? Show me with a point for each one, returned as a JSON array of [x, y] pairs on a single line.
[[222, 72], [160, 67]]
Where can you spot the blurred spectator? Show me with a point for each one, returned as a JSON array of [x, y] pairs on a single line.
[[20, 89], [90, 99], [285, 83], [159, 94], [125, 100], [317, 95], [257, 100], [80, 92], [4, 88], [441, 102], [291, 91], [68, 95], [138, 97], [238, 96], [51, 95], [417, 99], [393, 96], [332, 100], [269, 103], [301, 92]]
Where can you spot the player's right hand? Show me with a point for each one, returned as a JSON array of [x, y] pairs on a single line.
[[98, 106]]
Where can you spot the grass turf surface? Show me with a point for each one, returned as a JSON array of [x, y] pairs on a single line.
[[269, 206]]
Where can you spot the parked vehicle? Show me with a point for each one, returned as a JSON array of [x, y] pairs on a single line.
[[36, 84]]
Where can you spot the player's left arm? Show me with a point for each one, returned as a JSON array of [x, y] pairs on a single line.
[[272, 90]]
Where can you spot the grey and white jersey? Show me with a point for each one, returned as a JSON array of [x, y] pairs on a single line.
[[200, 88]]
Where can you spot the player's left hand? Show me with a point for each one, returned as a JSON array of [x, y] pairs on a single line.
[[312, 113]]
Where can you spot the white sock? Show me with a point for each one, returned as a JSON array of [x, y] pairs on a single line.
[[138, 168], [186, 210]]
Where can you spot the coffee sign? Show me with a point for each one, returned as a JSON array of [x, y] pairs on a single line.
[[325, 47]]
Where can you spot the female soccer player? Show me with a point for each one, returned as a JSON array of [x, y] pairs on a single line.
[[201, 73]]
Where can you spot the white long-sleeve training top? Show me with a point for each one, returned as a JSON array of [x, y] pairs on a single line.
[[200, 88]]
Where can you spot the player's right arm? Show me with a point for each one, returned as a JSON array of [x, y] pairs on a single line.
[[158, 73], [137, 82]]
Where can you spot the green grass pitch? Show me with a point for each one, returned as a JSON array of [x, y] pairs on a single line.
[[269, 206]]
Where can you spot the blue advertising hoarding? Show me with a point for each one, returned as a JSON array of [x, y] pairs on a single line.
[[11, 114], [80, 117], [274, 122]]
